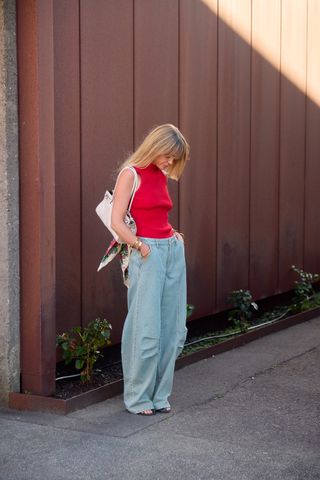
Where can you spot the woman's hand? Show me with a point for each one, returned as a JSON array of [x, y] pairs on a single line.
[[179, 236], [145, 250]]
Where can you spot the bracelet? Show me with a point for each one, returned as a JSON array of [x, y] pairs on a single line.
[[137, 244]]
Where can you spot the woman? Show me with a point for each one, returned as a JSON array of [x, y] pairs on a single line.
[[155, 327]]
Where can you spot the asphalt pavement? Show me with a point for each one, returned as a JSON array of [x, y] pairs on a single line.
[[252, 413]]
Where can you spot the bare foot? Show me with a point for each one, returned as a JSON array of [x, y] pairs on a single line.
[[146, 412]]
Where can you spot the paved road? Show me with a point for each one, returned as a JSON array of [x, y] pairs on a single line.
[[248, 414]]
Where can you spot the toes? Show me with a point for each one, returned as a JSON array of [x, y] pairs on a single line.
[[146, 412]]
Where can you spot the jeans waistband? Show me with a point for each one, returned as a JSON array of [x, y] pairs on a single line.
[[159, 241]]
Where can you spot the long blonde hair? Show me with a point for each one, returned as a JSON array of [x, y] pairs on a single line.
[[167, 140]]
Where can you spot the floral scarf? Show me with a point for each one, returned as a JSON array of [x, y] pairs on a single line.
[[115, 248]]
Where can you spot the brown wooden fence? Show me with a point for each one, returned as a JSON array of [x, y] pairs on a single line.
[[241, 80]]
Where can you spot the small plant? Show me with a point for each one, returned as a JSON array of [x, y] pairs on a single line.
[[84, 344], [304, 295], [241, 315]]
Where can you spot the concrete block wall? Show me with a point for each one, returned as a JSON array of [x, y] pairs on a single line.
[[9, 206]]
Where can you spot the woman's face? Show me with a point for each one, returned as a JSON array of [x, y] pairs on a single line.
[[163, 161]]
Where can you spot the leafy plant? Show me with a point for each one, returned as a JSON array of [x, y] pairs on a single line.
[[84, 344], [305, 296], [241, 315]]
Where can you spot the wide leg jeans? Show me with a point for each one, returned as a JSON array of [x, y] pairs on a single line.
[[155, 330]]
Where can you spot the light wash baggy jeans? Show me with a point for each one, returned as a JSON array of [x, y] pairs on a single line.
[[155, 329]]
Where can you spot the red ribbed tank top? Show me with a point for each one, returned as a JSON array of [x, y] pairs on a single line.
[[152, 203]]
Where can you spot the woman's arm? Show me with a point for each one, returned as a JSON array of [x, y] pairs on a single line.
[[121, 199]]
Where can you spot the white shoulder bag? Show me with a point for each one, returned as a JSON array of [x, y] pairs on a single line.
[[104, 209]]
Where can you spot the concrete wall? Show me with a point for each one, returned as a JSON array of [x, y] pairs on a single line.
[[9, 206]]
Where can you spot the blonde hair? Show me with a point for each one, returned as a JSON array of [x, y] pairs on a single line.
[[166, 140]]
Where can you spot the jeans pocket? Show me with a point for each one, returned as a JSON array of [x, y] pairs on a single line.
[[138, 258]]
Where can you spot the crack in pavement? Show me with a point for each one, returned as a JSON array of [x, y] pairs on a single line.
[[219, 395]]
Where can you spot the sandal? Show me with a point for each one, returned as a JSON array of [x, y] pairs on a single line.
[[164, 410]]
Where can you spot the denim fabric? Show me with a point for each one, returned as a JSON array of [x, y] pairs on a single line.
[[155, 327]]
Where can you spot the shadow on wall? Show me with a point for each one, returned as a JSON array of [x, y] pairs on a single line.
[[241, 80]]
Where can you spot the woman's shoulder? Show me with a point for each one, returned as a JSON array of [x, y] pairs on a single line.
[[126, 176]]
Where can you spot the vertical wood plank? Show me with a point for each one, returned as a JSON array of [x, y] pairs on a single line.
[[312, 217], [233, 147], [292, 139], [198, 121], [37, 205], [67, 163], [264, 177], [156, 35], [106, 138]]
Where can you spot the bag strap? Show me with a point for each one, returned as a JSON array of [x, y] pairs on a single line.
[[134, 186]]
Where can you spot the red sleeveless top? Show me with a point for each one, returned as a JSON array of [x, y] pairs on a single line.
[[152, 203]]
